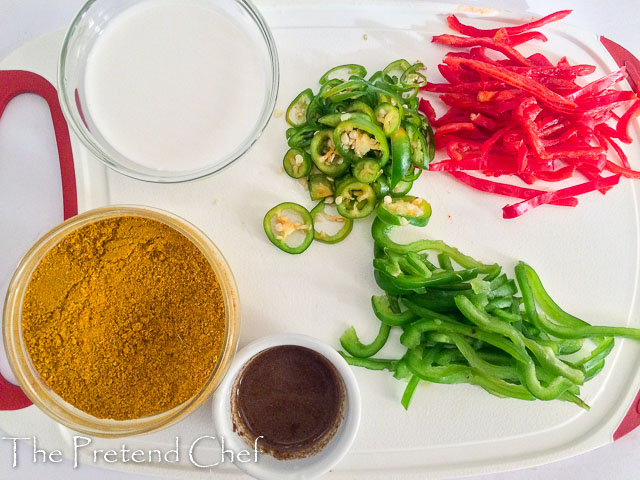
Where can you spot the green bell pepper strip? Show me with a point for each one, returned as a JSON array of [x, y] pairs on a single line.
[[401, 370], [407, 210], [297, 163], [543, 354], [324, 154], [367, 170], [370, 363], [361, 107], [505, 372], [424, 369], [418, 144], [444, 261], [400, 156], [568, 326], [333, 119], [369, 135], [412, 283], [278, 227], [381, 231], [394, 71], [389, 117], [382, 310], [352, 344], [412, 78], [386, 283], [343, 72], [354, 199], [401, 189], [409, 391], [439, 300], [320, 187], [412, 335], [318, 213], [297, 110], [555, 389], [301, 136]]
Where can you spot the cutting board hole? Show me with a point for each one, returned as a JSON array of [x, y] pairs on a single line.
[[30, 192]]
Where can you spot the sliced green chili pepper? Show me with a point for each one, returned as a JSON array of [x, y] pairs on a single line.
[[401, 189], [412, 175], [389, 117], [355, 199], [356, 138], [381, 187], [325, 155], [318, 214], [404, 211], [400, 156], [418, 144], [320, 186], [412, 78], [343, 72], [395, 70], [351, 343], [367, 170], [297, 111], [333, 119], [284, 220], [361, 107], [300, 137], [297, 163]]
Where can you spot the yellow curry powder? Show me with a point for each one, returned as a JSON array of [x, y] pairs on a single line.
[[124, 318]]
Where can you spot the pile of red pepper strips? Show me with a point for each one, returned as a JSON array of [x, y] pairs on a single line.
[[527, 117]]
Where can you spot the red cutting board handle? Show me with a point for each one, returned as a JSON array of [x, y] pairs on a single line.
[[12, 84], [630, 421]]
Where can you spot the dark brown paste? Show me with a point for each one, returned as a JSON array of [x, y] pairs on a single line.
[[292, 397]]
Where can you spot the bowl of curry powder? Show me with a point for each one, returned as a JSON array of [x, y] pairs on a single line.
[[121, 320]]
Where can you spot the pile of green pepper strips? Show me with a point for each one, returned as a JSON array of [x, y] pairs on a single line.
[[355, 142], [469, 325]]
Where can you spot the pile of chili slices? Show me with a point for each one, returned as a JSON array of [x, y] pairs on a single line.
[[527, 117]]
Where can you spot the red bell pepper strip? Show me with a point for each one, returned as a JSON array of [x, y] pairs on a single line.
[[625, 121], [625, 172], [507, 190], [471, 87], [515, 40], [600, 85], [508, 51], [458, 26], [520, 208], [542, 93], [556, 175]]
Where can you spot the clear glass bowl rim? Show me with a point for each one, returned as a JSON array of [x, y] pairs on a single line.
[[74, 121]]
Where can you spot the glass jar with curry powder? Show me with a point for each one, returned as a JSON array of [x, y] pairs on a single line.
[[36, 337]]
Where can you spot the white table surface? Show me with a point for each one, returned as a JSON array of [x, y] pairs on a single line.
[[24, 20]]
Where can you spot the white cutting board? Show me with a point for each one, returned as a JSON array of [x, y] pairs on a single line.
[[587, 257]]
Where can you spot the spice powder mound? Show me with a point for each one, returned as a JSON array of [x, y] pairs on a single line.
[[124, 318]]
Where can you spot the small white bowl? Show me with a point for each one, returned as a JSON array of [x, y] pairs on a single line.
[[267, 467]]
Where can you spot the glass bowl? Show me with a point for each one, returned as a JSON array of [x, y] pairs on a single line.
[[50, 402], [85, 30]]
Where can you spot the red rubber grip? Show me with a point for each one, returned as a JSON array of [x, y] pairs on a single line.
[[12, 84], [630, 421]]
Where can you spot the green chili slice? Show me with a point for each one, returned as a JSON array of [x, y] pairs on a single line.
[[389, 117], [297, 163], [367, 170], [357, 138], [355, 199], [320, 186], [325, 155], [404, 211], [343, 72], [284, 222], [400, 156], [297, 111], [319, 216]]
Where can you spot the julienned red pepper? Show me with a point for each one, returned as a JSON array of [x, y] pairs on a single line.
[[600, 85], [507, 190], [557, 175], [625, 172], [542, 93], [458, 26], [625, 120], [515, 210], [509, 52], [519, 39]]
